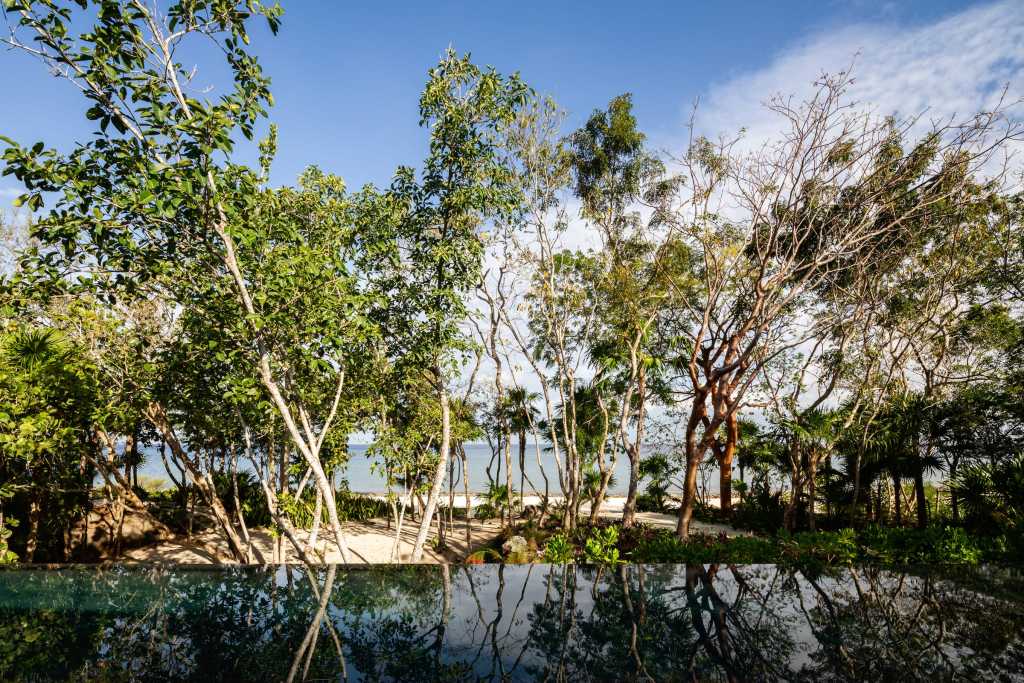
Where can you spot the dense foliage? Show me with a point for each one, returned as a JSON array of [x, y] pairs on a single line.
[[834, 315]]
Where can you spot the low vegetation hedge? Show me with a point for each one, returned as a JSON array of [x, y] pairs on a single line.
[[871, 545], [936, 545]]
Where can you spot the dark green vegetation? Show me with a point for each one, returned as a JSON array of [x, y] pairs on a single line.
[[836, 317], [666, 622]]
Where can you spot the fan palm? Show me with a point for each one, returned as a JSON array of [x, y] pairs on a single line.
[[521, 415]]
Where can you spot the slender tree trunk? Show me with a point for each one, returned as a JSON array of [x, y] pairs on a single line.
[[694, 453], [812, 486], [442, 465], [252, 553], [112, 475], [732, 435], [922, 500], [508, 475], [633, 451], [522, 467], [469, 503], [32, 542], [158, 417], [318, 513], [897, 492]]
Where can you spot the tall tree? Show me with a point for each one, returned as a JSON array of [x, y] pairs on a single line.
[[463, 184]]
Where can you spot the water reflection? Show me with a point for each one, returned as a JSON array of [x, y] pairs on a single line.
[[491, 622]]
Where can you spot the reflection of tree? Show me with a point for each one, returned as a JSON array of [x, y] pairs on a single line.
[[508, 623], [881, 625], [741, 622]]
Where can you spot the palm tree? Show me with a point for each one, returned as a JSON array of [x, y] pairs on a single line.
[[591, 428], [521, 416], [894, 448], [811, 436]]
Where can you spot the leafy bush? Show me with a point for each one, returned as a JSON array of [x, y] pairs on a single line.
[[602, 546], [815, 550], [992, 495], [559, 550], [250, 496], [663, 546], [647, 502], [485, 511], [811, 550], [659, 470], [352, 507], [761, 511]]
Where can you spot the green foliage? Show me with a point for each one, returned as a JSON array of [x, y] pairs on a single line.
[[762, 511], [250, 497], [498, 498], [992, 495], [601, 546], [873, 545], [7, 556], [658, 470], [463, 183], [352, 507], [559, 550], [485, 511], [50, 395]]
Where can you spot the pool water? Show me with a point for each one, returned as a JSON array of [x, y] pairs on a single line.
[[523, 622]]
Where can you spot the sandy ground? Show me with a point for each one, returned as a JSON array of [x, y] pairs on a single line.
[[371, 542]]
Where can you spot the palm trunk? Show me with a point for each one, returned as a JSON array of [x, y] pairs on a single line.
[[922, 500], [897, 492], [796, 488], [812, 485], [954, 499], [856, 488]]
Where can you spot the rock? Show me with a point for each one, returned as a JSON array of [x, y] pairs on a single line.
[[516, 545]]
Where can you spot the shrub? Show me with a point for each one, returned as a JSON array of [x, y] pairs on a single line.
[[559, 550], [647, 502], [814, 550], [761, 511], [484, 512], [602, 546]]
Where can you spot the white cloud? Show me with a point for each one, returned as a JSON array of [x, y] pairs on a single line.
[[951, 68]]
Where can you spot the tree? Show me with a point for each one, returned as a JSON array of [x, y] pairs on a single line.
[[44, 437], [834, 196], [522, 417], [463, 183]]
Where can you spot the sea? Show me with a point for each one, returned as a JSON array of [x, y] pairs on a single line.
[[362, 478]]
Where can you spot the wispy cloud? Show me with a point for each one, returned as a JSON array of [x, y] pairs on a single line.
[[950, 68]]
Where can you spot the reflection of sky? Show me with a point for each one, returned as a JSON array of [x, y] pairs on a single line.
[[775, 622]]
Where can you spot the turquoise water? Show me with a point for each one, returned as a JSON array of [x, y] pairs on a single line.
[[514, 623]]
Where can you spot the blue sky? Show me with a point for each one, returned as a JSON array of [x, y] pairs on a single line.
[[346, 80]]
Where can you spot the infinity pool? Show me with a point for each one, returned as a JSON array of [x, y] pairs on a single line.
[[524, 622]]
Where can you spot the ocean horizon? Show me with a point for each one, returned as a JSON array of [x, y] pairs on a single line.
[[361, 477]]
